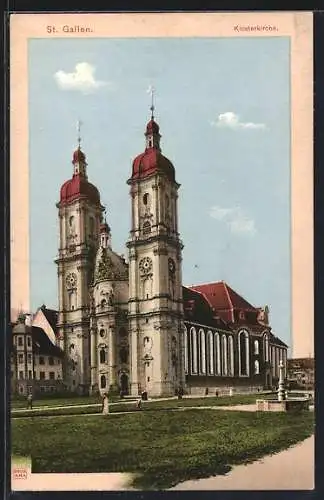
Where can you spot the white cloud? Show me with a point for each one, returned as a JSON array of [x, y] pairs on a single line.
[[82, 79], [232, 120], [234, 218]]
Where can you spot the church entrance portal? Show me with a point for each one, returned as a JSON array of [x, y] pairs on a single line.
[[124, 386]]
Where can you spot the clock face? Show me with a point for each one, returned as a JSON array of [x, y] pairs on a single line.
[[71, 280], [145, 265], [171, 266]]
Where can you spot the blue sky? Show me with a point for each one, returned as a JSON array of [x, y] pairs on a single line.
[[223, 106]]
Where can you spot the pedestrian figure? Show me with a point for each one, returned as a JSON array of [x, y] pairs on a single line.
[[139, 404], [217, 393], [30, 401], [206, 391], [180, 392], [105, 404]]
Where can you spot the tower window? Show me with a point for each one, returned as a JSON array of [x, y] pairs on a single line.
[[102, 356], [146, 199], [103, 381]]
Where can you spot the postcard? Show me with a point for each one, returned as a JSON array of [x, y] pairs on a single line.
[[162, 330]]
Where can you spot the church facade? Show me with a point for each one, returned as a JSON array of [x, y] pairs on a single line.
[[130, 325]]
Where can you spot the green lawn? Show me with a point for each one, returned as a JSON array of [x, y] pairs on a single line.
[[161, 448], [57, 401], [146, 405]]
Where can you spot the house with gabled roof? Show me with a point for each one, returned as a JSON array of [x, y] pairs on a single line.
[[36, 363]]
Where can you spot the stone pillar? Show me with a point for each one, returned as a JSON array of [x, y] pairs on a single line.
[[281, 388], [93, 341], [134, 360]]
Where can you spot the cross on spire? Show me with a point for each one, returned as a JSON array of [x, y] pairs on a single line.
[[151, 90], [79, 123]]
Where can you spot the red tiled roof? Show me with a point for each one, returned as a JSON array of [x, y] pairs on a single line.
[[224, 299], [151, 162], [197, 309], [78, 187]]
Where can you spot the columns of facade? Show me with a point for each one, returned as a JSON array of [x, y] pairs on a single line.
[[93, 356], [134, 359], [138, 215], [112, 356], [133, 210], [82, 225]]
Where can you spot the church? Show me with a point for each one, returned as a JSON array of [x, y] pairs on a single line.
[[129, 325]]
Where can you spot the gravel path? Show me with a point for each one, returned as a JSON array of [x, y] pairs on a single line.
[[291, 469]]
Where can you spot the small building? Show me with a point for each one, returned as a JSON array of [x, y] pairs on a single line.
[[36, 363]]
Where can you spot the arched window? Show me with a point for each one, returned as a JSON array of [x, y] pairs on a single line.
[[256, 347], [71, 222], [266, 347], [210, 348], [194, 357], [256, 367], [273, 360], [224, 355], [146, 227], [244, 353], [217, 351], [103, 303], [230, 353], [103, 382], [71, 348], [102, 356], [202, 351], [102, 332], [146, 199], [186, 353]]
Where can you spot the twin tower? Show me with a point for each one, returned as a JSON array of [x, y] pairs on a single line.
[[120, 323]]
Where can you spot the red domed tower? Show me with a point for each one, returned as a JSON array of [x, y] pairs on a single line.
[[155, 277], [80, 215]]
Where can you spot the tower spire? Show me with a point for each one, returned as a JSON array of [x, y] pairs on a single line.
[[79, 123], [151, 90]]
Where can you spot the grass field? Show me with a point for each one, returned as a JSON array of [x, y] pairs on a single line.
[[131, 406], [22, 403], [160, 448]]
